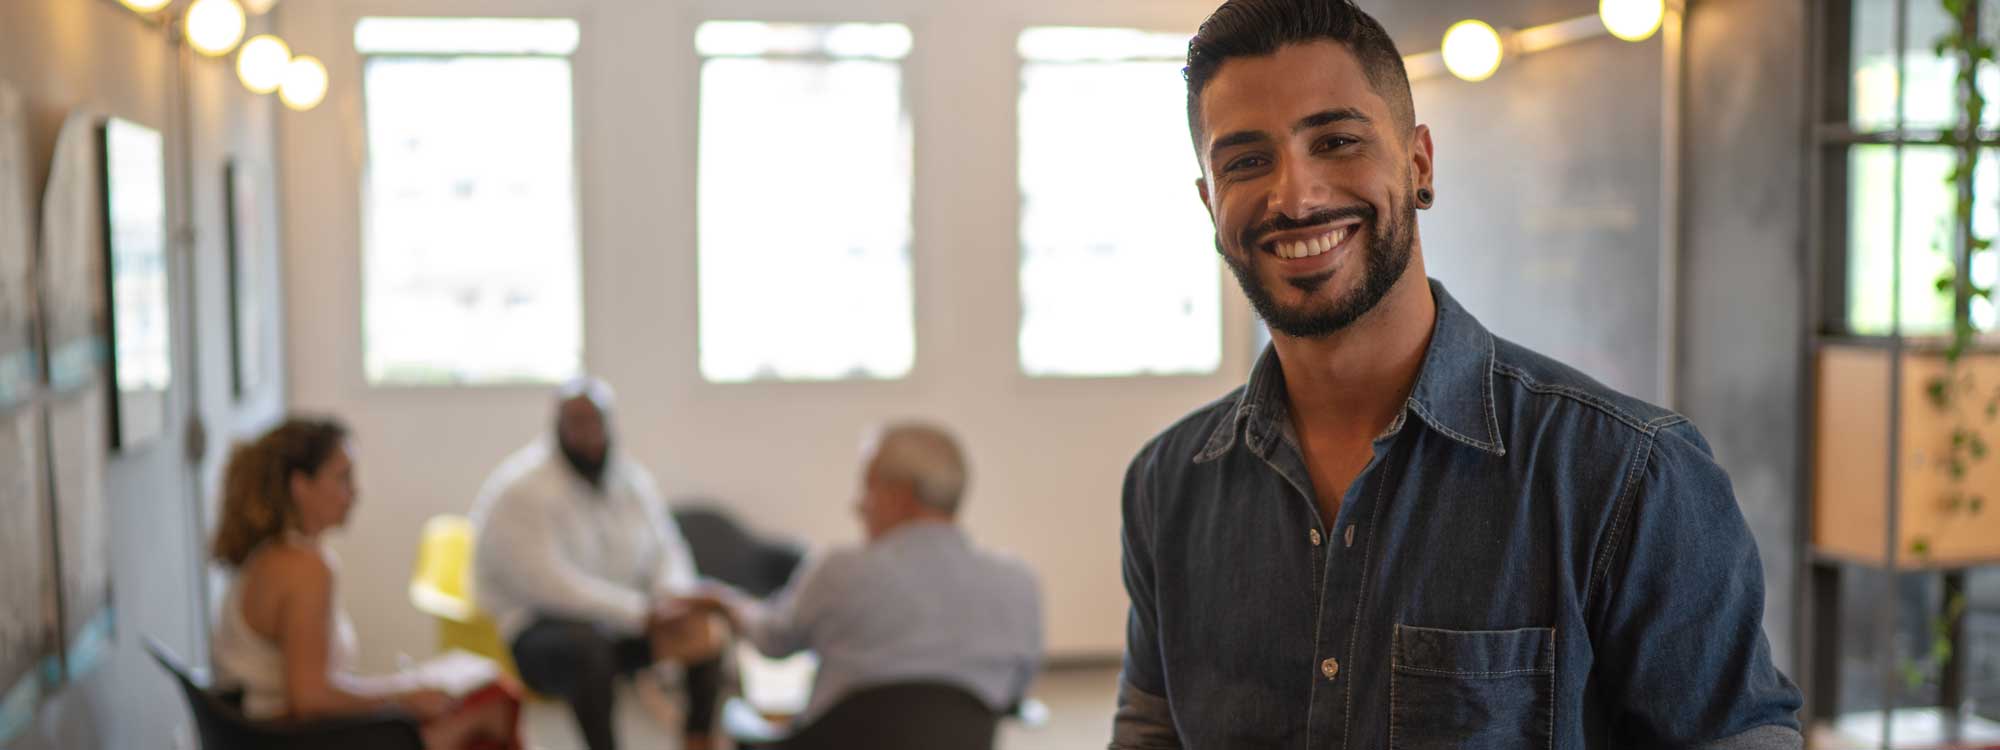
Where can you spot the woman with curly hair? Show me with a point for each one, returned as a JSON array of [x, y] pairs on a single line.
[[280, 636]]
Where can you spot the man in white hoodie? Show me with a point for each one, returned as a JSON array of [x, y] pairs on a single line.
[[575, 558]]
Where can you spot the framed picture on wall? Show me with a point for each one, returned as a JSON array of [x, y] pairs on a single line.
[[29, 631], [20, 368], [28, 627], [75, 317], [248, 258], [135, 248]]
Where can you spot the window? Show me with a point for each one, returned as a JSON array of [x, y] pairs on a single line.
[[1118, 272], [804, 202], [471, 261], [1897, 200]]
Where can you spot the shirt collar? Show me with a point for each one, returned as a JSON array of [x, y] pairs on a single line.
[[1453, 393], [913, 532]]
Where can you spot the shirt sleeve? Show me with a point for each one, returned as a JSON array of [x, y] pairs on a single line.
[[1678, 612], [676, 575], [1144, 719], [784, 626], [518, 545]]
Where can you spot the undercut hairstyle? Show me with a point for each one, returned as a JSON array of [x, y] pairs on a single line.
[[928, 458], [1255, 28]]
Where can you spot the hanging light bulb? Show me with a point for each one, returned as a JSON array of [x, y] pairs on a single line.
[[305, 83], [258, 7], [1632, 20], [261, 64], [146, 6], [1472, 50], [215, 26]]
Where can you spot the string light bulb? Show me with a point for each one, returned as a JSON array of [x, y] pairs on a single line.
[[215, 26], [1632, 20], [146, 6], [305, 83], [1472, 50], [258, 7], [262, 62]]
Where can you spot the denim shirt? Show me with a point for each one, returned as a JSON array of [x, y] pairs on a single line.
[[1530, 560]]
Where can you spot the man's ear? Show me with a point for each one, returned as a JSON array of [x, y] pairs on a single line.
[[1423, 157]]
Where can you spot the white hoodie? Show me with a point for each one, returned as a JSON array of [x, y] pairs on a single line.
[[550, 544]]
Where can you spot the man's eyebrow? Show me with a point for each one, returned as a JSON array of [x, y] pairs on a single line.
[[1317, 119], [1238, 138], [1331, 116]]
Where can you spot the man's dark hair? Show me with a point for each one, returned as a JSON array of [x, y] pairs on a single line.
[[1253, 28]]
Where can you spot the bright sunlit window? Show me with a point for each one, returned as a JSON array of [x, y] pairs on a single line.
[[471, 266], [1922, 238], [804, 202], [1118, 271]]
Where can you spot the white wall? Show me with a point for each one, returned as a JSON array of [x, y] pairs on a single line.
[[1048, 455]]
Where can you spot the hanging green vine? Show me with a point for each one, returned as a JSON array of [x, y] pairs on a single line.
[[1963, 46], [1957, 391]]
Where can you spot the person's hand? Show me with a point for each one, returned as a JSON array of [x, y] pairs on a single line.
[[426, 705], [704, 602], [691, 637], [711, 595]]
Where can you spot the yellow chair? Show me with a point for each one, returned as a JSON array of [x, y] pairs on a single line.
[[441, 586]]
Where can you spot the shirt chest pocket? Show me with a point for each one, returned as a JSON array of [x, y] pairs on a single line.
[[1472, 690]]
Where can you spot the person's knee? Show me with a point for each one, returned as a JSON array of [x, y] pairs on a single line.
[[563, 659]]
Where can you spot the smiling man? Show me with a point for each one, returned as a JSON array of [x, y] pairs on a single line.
[[1405, 532]]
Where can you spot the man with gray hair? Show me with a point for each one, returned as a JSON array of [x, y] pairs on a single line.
[[918, 602]]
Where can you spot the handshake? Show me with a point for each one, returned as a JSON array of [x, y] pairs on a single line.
[[694, 628]]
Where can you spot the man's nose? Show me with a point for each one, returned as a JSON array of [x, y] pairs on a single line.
[[1298, 192]]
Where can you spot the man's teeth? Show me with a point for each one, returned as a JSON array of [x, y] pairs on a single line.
[[1314, 246]]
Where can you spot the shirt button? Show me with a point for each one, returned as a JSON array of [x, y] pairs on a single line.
[[1330, 668], [1350, 535], [1315, 537]]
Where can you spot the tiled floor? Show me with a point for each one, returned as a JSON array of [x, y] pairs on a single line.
[[1080, 702]]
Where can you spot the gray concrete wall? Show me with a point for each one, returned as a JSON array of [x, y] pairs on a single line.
[[93, 56], [1743, 268], [1548, 217]]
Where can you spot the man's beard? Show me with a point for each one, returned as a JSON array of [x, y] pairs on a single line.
[[591, 470], [1387, 256]]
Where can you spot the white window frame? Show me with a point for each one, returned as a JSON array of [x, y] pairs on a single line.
[[573, 51], [904, 59]]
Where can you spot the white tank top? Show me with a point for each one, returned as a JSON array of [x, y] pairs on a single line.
[[246, 659]]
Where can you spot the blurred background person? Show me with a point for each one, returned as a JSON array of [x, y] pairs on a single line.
[[281, 637], [575, 555], [918, 602]]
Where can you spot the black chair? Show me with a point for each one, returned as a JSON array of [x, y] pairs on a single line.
[[222, 726], [727, 552], [904, 716]]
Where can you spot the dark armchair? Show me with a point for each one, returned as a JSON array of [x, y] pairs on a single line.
[[727, 552], [904, 716], [219, 720]]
